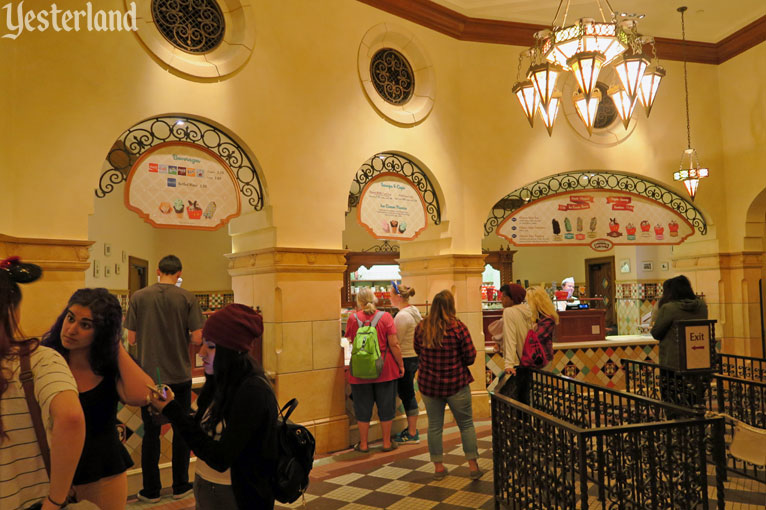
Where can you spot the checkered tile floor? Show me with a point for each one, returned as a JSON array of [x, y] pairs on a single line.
[[403, 480]]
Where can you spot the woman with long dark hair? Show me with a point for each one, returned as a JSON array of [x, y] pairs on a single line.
[[88, 334], [445, 350], [23, 478], [233, 432], [678, 302]]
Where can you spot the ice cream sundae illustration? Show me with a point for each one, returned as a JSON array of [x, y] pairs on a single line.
[[673, 228], [194, 210], [402, 227], [178, 207], [394, 226], [614, 228], [659, 230], [631, 230], [645, 226]]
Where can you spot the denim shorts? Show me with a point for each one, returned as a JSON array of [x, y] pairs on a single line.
[[382, 393]]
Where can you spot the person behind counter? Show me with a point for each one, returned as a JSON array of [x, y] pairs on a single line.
[[380, 391], [88, 334], [406, 321], [233, 432], [568, 286], [678, 302]]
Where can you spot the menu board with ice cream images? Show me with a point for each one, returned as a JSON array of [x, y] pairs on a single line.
[[597, 219], [392, 208], [182, 185]]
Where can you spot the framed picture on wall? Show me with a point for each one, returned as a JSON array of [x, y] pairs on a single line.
[[96, 269], [647, 265], [664, 266], [116, 269], [107, 271], [625, 266], [107, 250]]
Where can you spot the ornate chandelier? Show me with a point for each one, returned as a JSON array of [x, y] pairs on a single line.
[[689, 171], [584, 49]]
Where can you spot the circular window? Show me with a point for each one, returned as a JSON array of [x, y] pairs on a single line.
[[396, 74], [195, 26], [392, 76]]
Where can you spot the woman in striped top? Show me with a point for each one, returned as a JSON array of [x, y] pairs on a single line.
[[23, 478]]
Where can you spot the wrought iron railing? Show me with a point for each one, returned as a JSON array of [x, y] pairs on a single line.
[[744, 367], [736, 398], [577, 436]]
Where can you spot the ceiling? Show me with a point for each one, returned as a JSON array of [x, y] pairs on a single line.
[[706, 20]]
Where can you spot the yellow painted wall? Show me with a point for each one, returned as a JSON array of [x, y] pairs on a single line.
[[299, 107], [201, 252]]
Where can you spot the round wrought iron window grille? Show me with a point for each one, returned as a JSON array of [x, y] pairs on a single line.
[[593, 180], [194, 26], [143, 136], [394, 163], [392, 76]]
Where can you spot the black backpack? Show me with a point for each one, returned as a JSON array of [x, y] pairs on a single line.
[[295, 446]]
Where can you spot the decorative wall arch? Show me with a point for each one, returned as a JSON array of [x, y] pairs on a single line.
[[386, 162], [141, 137], [593, 180]]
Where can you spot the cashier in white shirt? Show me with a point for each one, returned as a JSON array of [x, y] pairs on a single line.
[[568, 285]]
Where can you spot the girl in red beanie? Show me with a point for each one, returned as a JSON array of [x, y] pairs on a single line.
[[233, 432]]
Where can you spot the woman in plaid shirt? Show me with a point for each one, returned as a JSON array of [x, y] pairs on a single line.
[[446, 350]]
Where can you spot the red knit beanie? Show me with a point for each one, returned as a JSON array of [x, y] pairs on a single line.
[[517, 293], [234, 326]]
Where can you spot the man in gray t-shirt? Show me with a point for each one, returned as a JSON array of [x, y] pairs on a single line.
[[162, 320]]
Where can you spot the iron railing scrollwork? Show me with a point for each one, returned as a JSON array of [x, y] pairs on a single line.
[[143, 136], [595, 180], [194, 26], [384, 247], [395, 163]]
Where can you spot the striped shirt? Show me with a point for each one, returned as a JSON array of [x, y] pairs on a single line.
[[444, 371], [23, 479]]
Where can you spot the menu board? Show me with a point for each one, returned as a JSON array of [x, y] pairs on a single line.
[[392, 208], [598, 219], [182, 185]]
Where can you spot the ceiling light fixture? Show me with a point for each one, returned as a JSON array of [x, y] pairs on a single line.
[[689, 171], [584, 49]]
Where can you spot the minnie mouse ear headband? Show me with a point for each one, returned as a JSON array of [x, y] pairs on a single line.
[[20, 272]]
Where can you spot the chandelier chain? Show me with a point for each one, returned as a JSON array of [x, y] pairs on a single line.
[[686, 80]]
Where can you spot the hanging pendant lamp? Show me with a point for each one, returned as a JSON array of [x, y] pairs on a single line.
[[587, 107], [527, 96], [689, 171], [623, 103], [650, 82]]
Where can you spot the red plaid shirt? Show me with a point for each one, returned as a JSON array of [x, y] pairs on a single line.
[[444, 371], [544, 330]]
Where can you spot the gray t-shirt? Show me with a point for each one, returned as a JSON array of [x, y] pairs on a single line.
[[162, 316]]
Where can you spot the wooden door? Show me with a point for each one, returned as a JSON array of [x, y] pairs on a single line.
[[599, 274], [138, 274]]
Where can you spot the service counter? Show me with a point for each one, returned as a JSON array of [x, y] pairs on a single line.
[[596, 362], [581, 325]]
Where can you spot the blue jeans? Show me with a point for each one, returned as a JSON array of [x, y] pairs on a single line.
[[462, 410], [406, 386]]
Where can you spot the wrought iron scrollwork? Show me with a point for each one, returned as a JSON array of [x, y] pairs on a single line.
[[392, 76], [394, 163], [384, 247], [138, 139], [194, 26], [573, 181]]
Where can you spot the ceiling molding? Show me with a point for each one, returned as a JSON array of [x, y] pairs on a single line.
[[464, 28]]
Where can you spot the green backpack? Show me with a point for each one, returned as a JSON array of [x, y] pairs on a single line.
[[366, 361]]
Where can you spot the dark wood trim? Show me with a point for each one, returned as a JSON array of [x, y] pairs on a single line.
[[464, 28], [742, 40]]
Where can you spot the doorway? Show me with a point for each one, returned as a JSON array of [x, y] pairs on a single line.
[[599, 281], [138, 274]]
